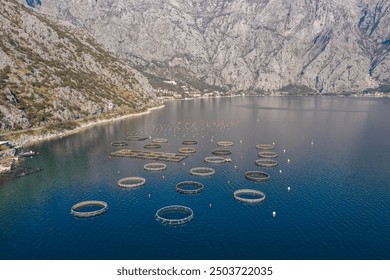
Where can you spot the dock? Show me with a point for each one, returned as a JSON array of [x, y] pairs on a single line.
[[150, 155]]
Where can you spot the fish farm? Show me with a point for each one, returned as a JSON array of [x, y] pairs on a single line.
[[172, 209], [196, 187], [265, 162], [140, 154], [257, 176], [258, 196], [131, 182], [88, 214], [155, 166]]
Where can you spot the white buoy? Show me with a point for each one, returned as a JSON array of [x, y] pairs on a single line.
[[235, 167], [312, 142], [280, 171], [273, 214], [184, 163], [284, 150], [288, 160], [240, 141], [119, 172], [288, 188]]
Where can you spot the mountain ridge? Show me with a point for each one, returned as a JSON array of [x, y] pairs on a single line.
[[244, 45], [52, 73]]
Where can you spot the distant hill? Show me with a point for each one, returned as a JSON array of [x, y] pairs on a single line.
[[51, 72]]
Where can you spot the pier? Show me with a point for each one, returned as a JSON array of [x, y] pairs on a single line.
[[140, 154]]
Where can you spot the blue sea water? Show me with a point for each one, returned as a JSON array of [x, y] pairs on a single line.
[[338, 206]]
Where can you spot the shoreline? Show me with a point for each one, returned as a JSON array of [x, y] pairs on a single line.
[[29, 140]]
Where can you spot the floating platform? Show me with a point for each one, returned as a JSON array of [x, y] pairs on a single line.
[[140, 154]]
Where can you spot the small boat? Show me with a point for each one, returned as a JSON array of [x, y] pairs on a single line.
[[27, 154]]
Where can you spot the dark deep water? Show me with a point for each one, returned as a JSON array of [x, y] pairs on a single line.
[[338, 206]]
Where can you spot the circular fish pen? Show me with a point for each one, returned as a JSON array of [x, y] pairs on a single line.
[[196, 187], [264, 162], [88, 214], [174, 209], [221, 152], [225, 143], [155, 166], [255, 196], [257, 176], [136, 138], [268, 154], [152, 146], [131, 182], [119, 143], [160, 140], [189, 142], [215, 160], [202, 171], [187, 150], [264, 146]]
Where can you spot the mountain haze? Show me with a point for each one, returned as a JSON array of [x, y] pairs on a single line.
[[325, 46]]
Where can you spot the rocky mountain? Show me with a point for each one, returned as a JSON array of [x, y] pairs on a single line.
[[325, 46], [51, 72]]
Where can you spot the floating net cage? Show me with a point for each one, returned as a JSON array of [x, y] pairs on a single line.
[[131, 182], [221, 152], [202, 171], [119, 143], [155, 166], [189, 142], [88, 214], [249, 196], [268, 154], [187, 150], [265, 146], [160, 140], [225, 143], [264, 162], [257, 176], [174, 209], [216, 160], [189, 187], [152, 146], [136, 138]]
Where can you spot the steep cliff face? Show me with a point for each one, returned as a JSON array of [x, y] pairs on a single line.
[[326, 45], [51, 72]]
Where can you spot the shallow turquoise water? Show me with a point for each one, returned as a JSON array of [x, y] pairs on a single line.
[[338, 206]]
